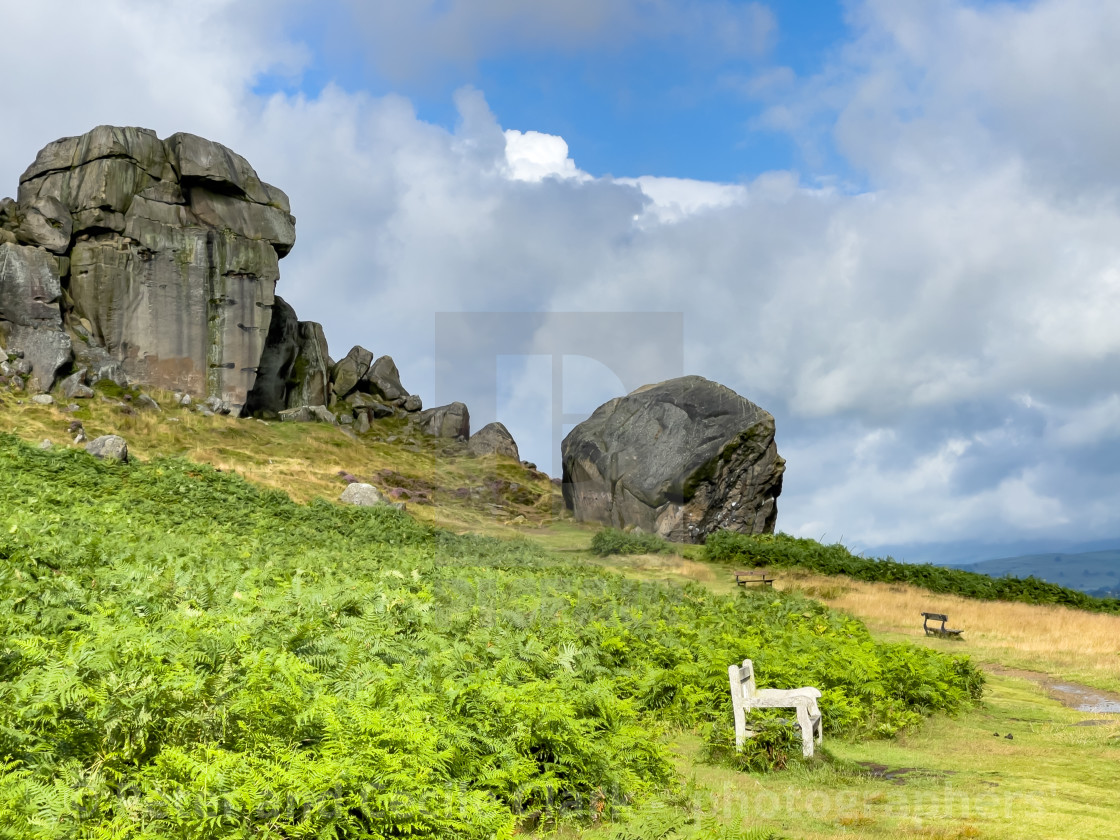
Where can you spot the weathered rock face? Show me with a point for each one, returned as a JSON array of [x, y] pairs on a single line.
[[169, 256], [30, 317], [493, 439], [681, 459]]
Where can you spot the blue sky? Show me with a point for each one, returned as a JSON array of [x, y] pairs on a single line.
[[626, 107], [895, 224]]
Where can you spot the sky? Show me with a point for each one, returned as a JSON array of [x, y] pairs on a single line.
[[894, 224]]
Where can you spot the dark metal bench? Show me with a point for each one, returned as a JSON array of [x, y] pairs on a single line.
[[744, 576], [938, 631]]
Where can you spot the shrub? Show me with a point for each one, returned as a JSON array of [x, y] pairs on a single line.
[[612, 541], [782, 550]]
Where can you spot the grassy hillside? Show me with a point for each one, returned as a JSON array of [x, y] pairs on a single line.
[[1094, 572], [175, 629], [188, 655]]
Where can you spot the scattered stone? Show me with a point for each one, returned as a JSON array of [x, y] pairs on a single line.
[[46, 443], [308, 414], [217, 405], [365, 495], [148, 402], [493, 439], [108, 448], [205, 412], [682, 459], [43, 399], [361, 422], [80, 437], [75, 384], [75, 427], [346, 419]]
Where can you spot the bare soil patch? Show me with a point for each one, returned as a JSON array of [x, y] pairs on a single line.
[[1083, 698]]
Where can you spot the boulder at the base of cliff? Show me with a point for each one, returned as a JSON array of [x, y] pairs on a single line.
[[308, 414], [281, 348], [681, 459], [384, 380], [309, 382], [493, 439], [445, 421], [365, 495], [108, 448], [348, 372]]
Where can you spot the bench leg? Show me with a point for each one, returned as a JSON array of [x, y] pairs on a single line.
[[806, 724], [737, 706]]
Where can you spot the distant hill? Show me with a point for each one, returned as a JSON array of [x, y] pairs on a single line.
[[1095, 572]]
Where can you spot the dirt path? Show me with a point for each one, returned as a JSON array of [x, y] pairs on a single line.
[[1075, 696]]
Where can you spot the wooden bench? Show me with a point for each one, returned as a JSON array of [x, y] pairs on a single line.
[[745, 696], [938, 631], [743, 577]]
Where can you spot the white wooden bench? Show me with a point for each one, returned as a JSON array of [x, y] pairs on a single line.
[[745, 696]]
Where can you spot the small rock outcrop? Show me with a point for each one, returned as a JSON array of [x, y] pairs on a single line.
[[108, 448], [493, 439], [682, 459]]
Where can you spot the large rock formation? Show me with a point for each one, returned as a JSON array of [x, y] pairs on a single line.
[[155, 262], [167, 259], [681, 459]]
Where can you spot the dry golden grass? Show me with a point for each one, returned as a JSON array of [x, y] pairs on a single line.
[[304, 459], [1057, 640]]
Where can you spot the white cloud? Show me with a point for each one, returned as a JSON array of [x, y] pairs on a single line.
[[533, 156]]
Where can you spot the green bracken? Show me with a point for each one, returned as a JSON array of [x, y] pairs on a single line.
[[185, 655]]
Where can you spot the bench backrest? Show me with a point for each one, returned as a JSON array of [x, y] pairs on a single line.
[[936, 616], [744, 676]]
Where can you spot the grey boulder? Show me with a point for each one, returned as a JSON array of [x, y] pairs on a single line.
[[347, 373], [493, 439], [308, 414], [445, 421], [108, 448], [681, 459], [364, 495], [384, 380]]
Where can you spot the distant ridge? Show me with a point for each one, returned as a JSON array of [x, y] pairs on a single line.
[[1094, 572]]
